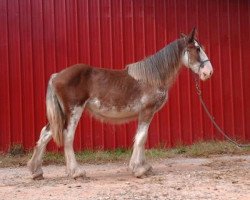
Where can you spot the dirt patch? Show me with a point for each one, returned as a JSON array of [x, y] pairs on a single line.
[[220, 177]]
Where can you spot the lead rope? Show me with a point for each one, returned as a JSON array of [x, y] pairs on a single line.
[[199, 93]]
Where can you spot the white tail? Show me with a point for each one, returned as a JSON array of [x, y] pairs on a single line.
[[55, 114]]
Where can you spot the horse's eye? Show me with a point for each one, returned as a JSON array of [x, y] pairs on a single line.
[[198, 49]]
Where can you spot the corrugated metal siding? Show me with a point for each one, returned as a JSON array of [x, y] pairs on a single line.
[[38, 38]]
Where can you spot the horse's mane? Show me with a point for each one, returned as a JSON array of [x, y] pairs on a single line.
[[158, 67]]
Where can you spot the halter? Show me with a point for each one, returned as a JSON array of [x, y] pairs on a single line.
[[202, 63]]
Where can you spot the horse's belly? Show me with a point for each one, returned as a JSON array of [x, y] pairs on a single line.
[[113, 113]]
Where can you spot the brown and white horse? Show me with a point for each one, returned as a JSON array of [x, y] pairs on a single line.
[[116, 96]]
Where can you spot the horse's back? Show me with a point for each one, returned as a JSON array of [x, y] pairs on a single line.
[[115, 87]]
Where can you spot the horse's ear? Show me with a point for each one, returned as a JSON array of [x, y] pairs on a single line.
[[192, 35], [182, 35]]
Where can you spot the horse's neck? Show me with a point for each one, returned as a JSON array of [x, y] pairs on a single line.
[[159, 68], [173, 68]]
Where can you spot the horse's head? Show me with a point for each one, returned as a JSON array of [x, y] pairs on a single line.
[[194, 57]]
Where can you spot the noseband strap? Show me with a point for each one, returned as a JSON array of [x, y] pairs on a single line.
[[203, 63]]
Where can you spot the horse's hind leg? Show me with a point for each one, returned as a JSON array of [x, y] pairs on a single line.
[[35, 163], [73, 169]]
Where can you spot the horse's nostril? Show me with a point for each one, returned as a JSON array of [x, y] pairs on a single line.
[[211, 73], [204, 74]]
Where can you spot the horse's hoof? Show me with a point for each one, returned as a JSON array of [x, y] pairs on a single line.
[[79, 175], [144, 173], [38, 177], [143, 170]]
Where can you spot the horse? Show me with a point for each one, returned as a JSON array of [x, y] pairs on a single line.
[[136, 92]]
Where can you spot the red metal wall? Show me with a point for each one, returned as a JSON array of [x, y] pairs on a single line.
[[40, 37]]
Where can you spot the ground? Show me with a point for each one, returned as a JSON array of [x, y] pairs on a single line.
[[217, 177]]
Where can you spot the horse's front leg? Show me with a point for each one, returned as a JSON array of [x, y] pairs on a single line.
[[138, 163]]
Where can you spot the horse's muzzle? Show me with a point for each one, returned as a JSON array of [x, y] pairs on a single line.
[[206, 72]]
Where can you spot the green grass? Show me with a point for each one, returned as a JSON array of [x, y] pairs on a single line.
[[18, 157], [103, 156], [214, 147]]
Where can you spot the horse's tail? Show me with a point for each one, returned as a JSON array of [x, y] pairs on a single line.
[[55, 114]]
